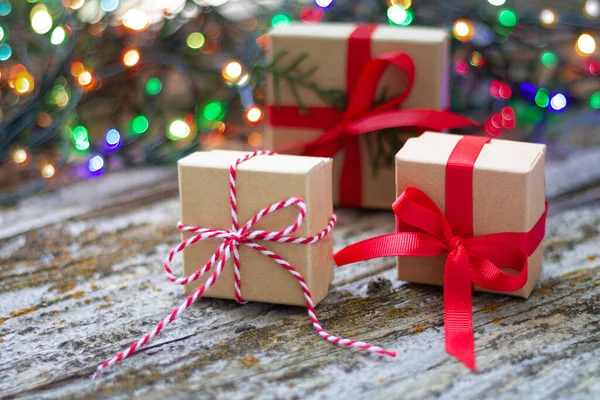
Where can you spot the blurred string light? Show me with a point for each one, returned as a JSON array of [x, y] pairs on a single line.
[[2, 33], [254, 139], [110, 5], [463, 30], [85, 79], [542, 98], [232, 71], [24, 83], [591, 8], [500, 90], [548, 18], [595, 100], [153, 86], [507, 18], [586, 45], [281, 20], [81, 138], [497, 3], [139, 125], [178, 130], [131, 57], [323, 3], [254, 115], [96, 163], [461, 67], [5, 51], [5, 8], [399, 16], [58, 35], [41, 21], [136, 20], [20, 156], [476, 59], [558, 102], [74, 4], [549, 59], [113, 140], [213, 111], [48, 171], [195, 40]]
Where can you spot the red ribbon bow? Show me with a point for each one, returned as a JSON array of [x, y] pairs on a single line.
[[423, 230], [363, 75]]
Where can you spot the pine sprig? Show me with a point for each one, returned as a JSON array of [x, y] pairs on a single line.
[[295, 78], [383, 145]]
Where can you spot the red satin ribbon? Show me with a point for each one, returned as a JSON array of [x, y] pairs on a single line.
[[362, 77], [423, 230]]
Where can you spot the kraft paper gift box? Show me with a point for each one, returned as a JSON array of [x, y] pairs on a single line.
[[508, 195], [261, 181], [325, 46]]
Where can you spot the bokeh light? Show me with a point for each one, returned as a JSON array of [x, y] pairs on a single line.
[[591, 8], [85, 78], [548, 18], [20, 156], [153, 86], [5, 51], [254, 139], [139, 125], [113, 140], [178, 130], [549, 59], [507, 18], [58, 35], [131, 57], [595, 100], [399, 16], [542, 98], [323, 3], [586, 45], [254, 115], [110, 5], [558, 102], [41, 21], [281, 20], [48, 171], [95, 163], [136, 20], [497, 3], [24, 83], [232, 71], [463, 30], [195, 40]]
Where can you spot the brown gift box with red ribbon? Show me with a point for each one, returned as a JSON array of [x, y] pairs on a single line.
[[318, 67], [470, 214], [508, 192]]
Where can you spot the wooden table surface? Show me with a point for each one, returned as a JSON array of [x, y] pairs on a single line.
[[81, 278]]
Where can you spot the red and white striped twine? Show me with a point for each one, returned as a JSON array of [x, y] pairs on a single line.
[[233, 238]]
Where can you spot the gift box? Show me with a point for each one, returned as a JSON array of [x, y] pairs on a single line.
[[470, 214], [204, 186], [334, 89], [508, 193]]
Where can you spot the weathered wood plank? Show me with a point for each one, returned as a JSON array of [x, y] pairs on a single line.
[[78, 288]]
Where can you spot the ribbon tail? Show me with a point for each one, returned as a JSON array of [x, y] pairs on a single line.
[[458, 312]]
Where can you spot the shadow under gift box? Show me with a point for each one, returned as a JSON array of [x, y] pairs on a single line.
[[325, 45], [508, 195], [261, 181]]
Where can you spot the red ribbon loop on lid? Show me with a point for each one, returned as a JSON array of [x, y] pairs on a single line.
[[423, 230], [363, 75]]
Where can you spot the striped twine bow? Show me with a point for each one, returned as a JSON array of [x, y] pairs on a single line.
[[233, 238]]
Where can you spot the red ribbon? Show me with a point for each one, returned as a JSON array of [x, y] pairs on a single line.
[[423, 230], [362, 77]]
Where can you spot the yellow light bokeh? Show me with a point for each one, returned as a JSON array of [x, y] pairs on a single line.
[[254, 139], [77, 68], [23, 83], [463, 30], [85, 78], [20, 156], [548, 18], [131, 57], [73, 4], [402, 3], [135, 19], [48, 171], [586, 45], [232, 71], [254, 114]]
